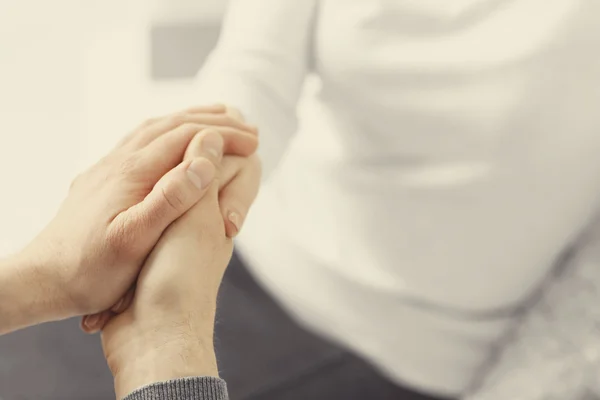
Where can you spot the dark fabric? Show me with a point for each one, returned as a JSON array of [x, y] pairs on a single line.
[[196, 388], [53, 362], [262, 353]]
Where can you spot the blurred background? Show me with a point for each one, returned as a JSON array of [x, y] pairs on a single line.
[[62, 104], [78, 75]]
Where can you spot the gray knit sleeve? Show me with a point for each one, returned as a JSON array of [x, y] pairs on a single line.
[[195, 388]]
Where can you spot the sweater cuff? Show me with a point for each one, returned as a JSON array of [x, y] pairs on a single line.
[[194, 388]]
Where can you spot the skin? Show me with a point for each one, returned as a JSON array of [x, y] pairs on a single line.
[[167, 331], [113, 216], [145, 230], [237, 190]]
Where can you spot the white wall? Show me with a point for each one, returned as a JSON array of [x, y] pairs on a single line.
[[182, 10], [40, 110], [73, 80], [120, 94]]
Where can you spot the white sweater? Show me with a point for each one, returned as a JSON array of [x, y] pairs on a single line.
[[450, 154]]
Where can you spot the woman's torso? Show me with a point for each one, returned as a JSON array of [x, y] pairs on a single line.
[[447, 158]]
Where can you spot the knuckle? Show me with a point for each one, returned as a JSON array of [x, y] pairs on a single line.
[[191, 127], [178, 119], [120, 240], [233, 110], [229, 120], [116, 237], [175, 197]]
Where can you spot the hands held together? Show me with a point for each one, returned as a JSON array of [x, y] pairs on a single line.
[[141, 243]]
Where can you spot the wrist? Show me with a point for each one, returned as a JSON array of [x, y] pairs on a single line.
[[51, 267], [30, 294], [173, 359]]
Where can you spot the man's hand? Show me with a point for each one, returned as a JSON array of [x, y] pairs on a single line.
[[239, 180], [237, 190], [92, 251], [167, 330]]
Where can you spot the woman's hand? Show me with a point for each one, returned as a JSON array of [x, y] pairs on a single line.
[[237, 190], [92, 251], [238, 187], [167, 331], [239, 180]]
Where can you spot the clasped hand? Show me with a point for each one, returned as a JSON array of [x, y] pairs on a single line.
[[165, 203]]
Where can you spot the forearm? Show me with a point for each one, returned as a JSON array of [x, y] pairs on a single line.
[[172, 350], [219, 83], [166, 365], [259, 66], [28, 296]]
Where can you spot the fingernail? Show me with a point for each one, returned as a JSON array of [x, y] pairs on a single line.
[[91, 321], [236, 220], [212, 143], [201, 172]]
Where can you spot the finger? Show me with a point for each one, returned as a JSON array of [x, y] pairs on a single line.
[[208, 143], [125, 301], [139, 227], [208, 109], [229, 168], [235, 113], [232, 120], [164, 125], [95, 322], [213, 108], [238, 143], [237, 196], [167, 151], [207, 209], [174, 194]]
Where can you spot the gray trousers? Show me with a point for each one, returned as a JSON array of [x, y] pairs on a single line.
[[262, 355]]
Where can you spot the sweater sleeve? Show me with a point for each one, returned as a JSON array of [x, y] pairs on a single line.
[[194, 388], [259, 66]]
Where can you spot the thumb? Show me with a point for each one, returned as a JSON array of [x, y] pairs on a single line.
[[173, 195]]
